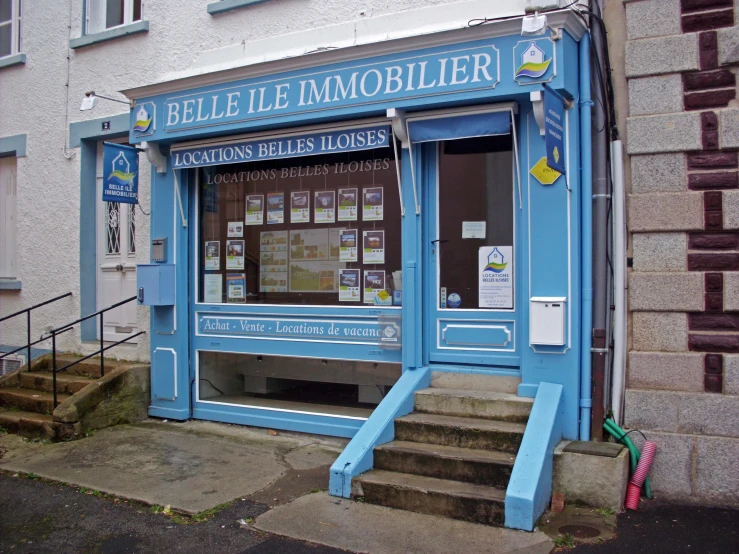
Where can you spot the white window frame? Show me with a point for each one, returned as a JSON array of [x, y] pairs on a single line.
[[96, 11], [8, 218], [15, 25]]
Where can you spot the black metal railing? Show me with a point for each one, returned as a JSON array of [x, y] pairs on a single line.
[[28, 311], [64, 328]]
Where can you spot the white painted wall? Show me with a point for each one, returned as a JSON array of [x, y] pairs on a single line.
[[35, 100]]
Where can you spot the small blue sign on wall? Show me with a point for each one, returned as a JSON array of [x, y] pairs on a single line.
[[554, 130], [120, 173]]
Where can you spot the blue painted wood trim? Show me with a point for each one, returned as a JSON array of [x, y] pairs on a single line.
[[10, 284], [35, 352], [16, 59], [227, 5], [110, 34], [530, 486], [358, 456], [14, 145], [92, 129]]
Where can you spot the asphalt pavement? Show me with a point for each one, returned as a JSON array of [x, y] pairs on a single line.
[[39, 516]]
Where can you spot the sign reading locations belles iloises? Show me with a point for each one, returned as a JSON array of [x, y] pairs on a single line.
[[120, 173], [327, 142]]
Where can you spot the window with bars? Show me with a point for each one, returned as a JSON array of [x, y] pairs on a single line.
[[131, 229], [105, 14], [10, 27], [113, 234]]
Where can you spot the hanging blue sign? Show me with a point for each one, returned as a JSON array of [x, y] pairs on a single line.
[[120, 173], [327, 142], [554, 130]]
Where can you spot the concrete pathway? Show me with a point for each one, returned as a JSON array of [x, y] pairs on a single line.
[[191, 466], [360, 527]]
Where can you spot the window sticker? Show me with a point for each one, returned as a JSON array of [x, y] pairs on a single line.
[[495, 276]]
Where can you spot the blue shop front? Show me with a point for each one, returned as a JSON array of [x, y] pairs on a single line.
[[325, 228]]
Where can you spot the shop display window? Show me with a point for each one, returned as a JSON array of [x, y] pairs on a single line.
[[315, 230]]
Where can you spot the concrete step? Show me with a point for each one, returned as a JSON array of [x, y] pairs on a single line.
[[441, 497], [475, 381], [474, 403], [482, 467], [89, 368], [28, 424], [463, 432], [44, 381], [30, 400]]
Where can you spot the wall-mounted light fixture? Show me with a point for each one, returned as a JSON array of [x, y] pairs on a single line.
[[91, 99]]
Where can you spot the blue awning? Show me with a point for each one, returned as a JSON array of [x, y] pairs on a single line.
[[460, 126]]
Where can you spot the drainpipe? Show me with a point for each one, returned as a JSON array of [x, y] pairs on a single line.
[[600, 282], [586, 202], [619, 281]]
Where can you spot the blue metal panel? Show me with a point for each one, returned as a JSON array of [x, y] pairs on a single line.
[[164, 375], [155, 284]]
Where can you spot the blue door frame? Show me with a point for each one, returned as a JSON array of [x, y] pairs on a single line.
[[483, 338]]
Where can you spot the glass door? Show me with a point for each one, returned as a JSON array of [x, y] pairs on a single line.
[[470, 232]]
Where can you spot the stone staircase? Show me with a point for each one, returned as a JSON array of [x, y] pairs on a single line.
[[27, 399], [452, 456]]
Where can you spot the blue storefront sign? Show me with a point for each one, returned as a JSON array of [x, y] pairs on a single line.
[[328, 142], [554, 130], [120, 173]]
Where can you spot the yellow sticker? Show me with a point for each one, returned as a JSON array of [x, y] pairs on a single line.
[[383, 295], [543, 173]]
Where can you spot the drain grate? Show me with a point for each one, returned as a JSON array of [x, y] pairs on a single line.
[[580, 531]]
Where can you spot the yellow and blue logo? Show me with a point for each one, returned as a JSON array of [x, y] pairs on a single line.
[[143, 120]]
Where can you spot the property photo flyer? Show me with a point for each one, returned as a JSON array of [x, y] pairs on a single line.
[[314, 276], [273, 282], [234, 254], [235, 229], [273, 241], [300, 206], [374, 282], [372, 204], [309, 244], [254, 209], [373, 243], [348, 246], [213, 288], [324, 206], [273, 261], [275, 208], [236, 288], [349, 285], [212, 255], [348, 204]]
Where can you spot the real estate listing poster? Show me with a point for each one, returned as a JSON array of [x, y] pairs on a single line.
[[314, 276], [254, 209], [324, 206], [236, 288], [300, 206], [309, 244], [372, 204], [349, 285], [373, 247], [348, 245], [275, 208], [235, 229], [374, 282], [348, 204], [234, 254], [212, 255], [273, 241], [213, 288]]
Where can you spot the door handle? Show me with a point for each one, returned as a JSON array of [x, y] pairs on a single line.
[[141, 295], [119, 267], [439, 241]]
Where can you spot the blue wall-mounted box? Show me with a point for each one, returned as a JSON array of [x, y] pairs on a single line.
[[155, 284]]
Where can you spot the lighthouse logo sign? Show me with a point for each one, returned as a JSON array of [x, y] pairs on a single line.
[[534, 61]]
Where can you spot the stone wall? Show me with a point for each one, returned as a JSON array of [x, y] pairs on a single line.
[[682, 136]]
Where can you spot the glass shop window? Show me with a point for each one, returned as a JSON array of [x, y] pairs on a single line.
[[316, 230], [478, 222]]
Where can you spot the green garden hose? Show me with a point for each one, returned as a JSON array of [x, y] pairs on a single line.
[[634, 454]]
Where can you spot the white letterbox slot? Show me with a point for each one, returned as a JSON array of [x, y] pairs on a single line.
[[547, 320]]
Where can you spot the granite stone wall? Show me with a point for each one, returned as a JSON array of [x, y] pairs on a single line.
[[682, 137]]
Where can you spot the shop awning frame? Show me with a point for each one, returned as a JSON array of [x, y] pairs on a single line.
[[454, 124]]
